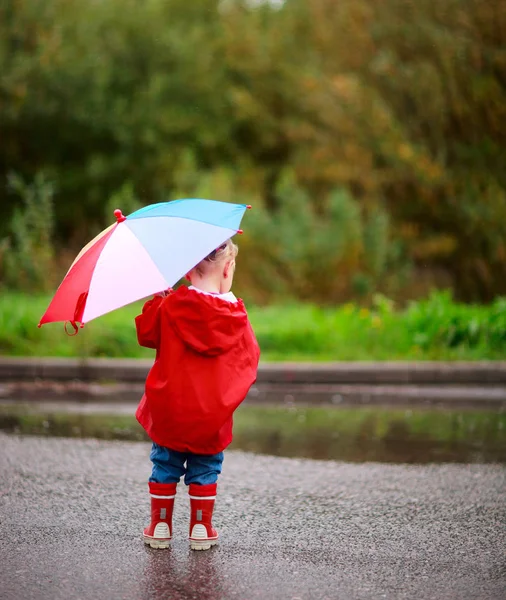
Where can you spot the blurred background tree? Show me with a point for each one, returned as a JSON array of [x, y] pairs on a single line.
[[370, 135]]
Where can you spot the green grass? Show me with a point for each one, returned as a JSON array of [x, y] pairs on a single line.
[[433, 329]]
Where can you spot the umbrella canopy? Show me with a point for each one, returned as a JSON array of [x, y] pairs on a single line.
[[141, 254]]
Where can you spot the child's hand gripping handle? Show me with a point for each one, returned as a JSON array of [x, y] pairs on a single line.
[[165, 292]]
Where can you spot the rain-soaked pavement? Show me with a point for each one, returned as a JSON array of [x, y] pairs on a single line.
[[71, 513]]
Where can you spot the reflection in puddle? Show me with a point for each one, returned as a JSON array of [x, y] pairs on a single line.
[[170, 574], [374, 434], [347, 434]]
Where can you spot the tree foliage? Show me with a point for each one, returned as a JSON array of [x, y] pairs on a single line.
[[391, 108]]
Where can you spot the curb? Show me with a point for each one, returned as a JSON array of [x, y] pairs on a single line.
[[351, 373], [461, 385]]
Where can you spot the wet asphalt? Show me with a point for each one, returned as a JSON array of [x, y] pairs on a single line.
[[72, 511]]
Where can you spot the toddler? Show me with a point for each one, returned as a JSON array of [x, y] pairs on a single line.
[[206, 361]]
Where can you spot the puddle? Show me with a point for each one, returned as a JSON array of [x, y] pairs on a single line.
[[359, 434], [374, 434]]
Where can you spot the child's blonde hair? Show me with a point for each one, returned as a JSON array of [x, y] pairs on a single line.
[[227, 251]]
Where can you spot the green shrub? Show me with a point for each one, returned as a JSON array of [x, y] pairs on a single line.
[[27, 255], [438, 321], [326, 256]]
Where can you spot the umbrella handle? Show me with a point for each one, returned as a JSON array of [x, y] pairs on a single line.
[[165, 293], [74, 326]]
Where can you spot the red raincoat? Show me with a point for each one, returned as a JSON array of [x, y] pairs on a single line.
[[206, 361]]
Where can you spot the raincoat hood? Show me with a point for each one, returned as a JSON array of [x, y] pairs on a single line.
[[207, 324]]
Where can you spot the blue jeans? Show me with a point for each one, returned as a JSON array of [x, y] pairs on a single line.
[[169, 466]]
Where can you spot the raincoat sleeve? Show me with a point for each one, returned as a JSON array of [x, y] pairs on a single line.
[[148, 324]]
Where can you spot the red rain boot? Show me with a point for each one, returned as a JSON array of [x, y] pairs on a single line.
[[202, 534], [159, 532]]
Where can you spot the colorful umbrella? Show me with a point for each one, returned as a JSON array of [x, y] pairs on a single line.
[[142, 254]]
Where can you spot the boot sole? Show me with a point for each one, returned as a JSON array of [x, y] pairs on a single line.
[[202, 544], [157, 543]]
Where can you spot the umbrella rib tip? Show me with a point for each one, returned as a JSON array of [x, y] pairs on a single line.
[[120, 217]]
